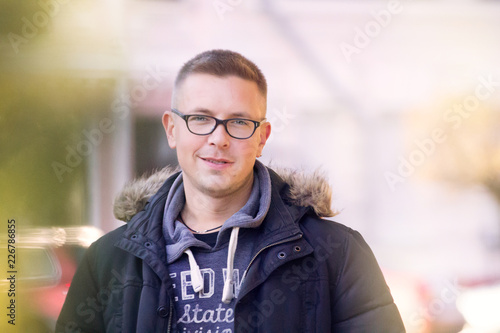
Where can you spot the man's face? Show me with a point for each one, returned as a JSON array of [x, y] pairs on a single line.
[[217, 164]]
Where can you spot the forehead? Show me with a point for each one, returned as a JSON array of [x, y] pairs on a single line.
[[221, 96]]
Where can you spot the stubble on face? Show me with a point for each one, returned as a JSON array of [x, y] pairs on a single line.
[[217, 165]]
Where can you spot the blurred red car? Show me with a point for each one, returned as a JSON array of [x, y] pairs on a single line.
[[46, 260]]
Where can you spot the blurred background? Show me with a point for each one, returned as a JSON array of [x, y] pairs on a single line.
[[398, 102]]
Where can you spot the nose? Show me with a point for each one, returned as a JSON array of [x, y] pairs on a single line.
[[219, 136]]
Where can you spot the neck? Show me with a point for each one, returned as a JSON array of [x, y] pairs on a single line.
[[203, 211]]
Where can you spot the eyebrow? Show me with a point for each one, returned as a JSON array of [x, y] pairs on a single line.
[[211, 113]]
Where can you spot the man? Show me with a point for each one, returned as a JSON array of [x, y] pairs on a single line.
[[226, 244]]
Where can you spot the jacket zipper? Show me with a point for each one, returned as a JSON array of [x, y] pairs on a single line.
[[299, 236], [140, 223], [170, 317]]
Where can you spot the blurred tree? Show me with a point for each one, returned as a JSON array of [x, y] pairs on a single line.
[[47, 100], [41, 120]]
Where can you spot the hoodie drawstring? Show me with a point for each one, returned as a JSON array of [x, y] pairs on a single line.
[[227, 292], [197, 278]]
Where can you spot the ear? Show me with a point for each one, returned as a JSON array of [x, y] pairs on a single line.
[[169, 126], [264, 133]]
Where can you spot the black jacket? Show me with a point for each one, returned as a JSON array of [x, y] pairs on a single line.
[[307, 275]]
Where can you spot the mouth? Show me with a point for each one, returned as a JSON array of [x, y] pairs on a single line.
[[216, 160]]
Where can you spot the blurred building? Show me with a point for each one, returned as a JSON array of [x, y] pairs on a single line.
[[346, 79]]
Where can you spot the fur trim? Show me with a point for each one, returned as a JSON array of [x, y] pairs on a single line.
[[306, 190], [309, 190], [136, 193]]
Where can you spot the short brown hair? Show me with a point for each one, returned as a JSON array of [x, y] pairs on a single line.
[[223, 63]]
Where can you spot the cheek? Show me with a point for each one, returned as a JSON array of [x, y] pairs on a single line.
[[187, 146], [189, 141], [249, 150]]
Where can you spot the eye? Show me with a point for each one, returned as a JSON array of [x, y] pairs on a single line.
[[240, 122], [199, 118]]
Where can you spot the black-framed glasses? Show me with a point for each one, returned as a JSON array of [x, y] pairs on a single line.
[[238, 128]]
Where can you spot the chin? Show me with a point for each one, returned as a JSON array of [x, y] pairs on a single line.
[[219, 187], [217, 191]]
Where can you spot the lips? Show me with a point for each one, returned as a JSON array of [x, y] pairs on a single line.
[[217, 161]]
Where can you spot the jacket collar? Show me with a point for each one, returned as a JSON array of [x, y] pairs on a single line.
[[296, 187], [142, 202]]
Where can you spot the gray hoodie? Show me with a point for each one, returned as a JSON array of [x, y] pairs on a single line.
[[204, 295]]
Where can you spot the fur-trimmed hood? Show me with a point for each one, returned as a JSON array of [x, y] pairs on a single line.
[[306, 190]]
